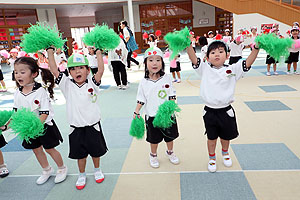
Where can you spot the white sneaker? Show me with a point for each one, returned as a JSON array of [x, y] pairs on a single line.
[[178, 81], [212, 167], [173, 158], [288, 73], [61, 175], [268, 74], [154, 161], [80, 183], [124, 87], [275, 73], [119, 87], [99, 176], [227, 160], [297, 73], [45, 176], [174, 80]]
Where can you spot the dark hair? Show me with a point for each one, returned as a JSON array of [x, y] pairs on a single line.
[[124, 23], [203, 40], [152, 36], [161, 71], [70, 68], [47, 76], [215, 45]]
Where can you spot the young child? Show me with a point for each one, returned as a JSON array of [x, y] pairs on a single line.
[[154, 89], [219, 116], [236, 49], [83, 112], [175, 68], [152, 42], [294, 53], [193, 40], [42, 60], [2, 83], [92, 60], [210, 37], [118, 60], [3, 168], [227, 37], [11, 61], [270, 60], [31, 94], [203, 43], [61, 61]]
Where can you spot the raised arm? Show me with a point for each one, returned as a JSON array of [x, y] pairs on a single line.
[[52, 63], [100, 72], [251, 58], [192, 54]]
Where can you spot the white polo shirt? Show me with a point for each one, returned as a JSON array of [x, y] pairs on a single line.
[[82, 105], [153, 93], [218, 84], [37, 100], [12, 63], [59, 57], [236, 49], [92, 60]]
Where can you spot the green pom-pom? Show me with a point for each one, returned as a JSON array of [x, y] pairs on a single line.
[[137, 128], [26, 124], [4, 117], [178, 41], [41, 36], [165, 112], [102, 37], [274, 46]]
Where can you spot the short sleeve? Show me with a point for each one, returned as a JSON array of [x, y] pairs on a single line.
[[239, 68], [140, 98], [126, 33], [198, 67], [44, 102], [172, 91], [16, 106], [62, 81]]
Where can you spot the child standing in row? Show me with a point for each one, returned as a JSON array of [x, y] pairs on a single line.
[[11, 61], [154, 89], [91, 56], [219, 116], [175, 69], [294, 53], [31, 94], [236, 49], [270, 60], [2, 83], [83, 112]]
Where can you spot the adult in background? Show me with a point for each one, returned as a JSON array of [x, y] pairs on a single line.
[[130, 42]]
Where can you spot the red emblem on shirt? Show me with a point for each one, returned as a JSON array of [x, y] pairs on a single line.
[[36, 102], [228, 71], [167, 86], [90, 90]]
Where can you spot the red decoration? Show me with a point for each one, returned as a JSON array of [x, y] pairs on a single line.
[[266, 31], [121, 36], [288, 32], [197, 38], [134, 54], [158, 33], [90, 90], [228, 71], [154, 52], [167, 86], [36, 55], [36, 102], [145, 35], [218, 37]]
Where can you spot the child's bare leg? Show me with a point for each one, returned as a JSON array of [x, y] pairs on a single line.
[[225, 145], [173, 74], [96, 161], [81, 164], [295, 66], [289, 66], [170, 146], [55, 156], [211, 145], [268, 67], [1, 158], [153, 148], [41, 157], [178, 75], [274, 67], [2, 83]]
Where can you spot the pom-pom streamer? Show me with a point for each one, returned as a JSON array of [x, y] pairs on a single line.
[[137, 128], [41, 36], [178, 41], [4, 53], [158, 33], [102, 37], [274, 46], [145, 35], [165, 112], [4, 117], [26, 124]]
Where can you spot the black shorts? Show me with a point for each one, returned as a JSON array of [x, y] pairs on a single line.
[[270, 60], [2, 141], [156, 135], [177, 69], [234, 59], [220, 123], [49, 140], [86, 141], [1, 75], [293, 57]]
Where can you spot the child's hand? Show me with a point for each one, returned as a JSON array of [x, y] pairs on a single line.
[[3, 128], [136, 114]]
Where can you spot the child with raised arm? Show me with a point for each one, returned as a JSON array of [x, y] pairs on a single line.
[[219, 116], [154, 89], [83, 112]]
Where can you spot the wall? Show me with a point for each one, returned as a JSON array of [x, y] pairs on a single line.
[[58, 1], [82, 21], [242, 21], [64, 26], [109, 16], [47, 15], [136, 17], [203, 11]]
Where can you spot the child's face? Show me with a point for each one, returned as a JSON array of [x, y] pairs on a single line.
[[14, 54], [253, 31], [227, 33], [211, 35], [91, 50], [79, 74], [23, 74], [154, 64], [217, 57], [295, 33]]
